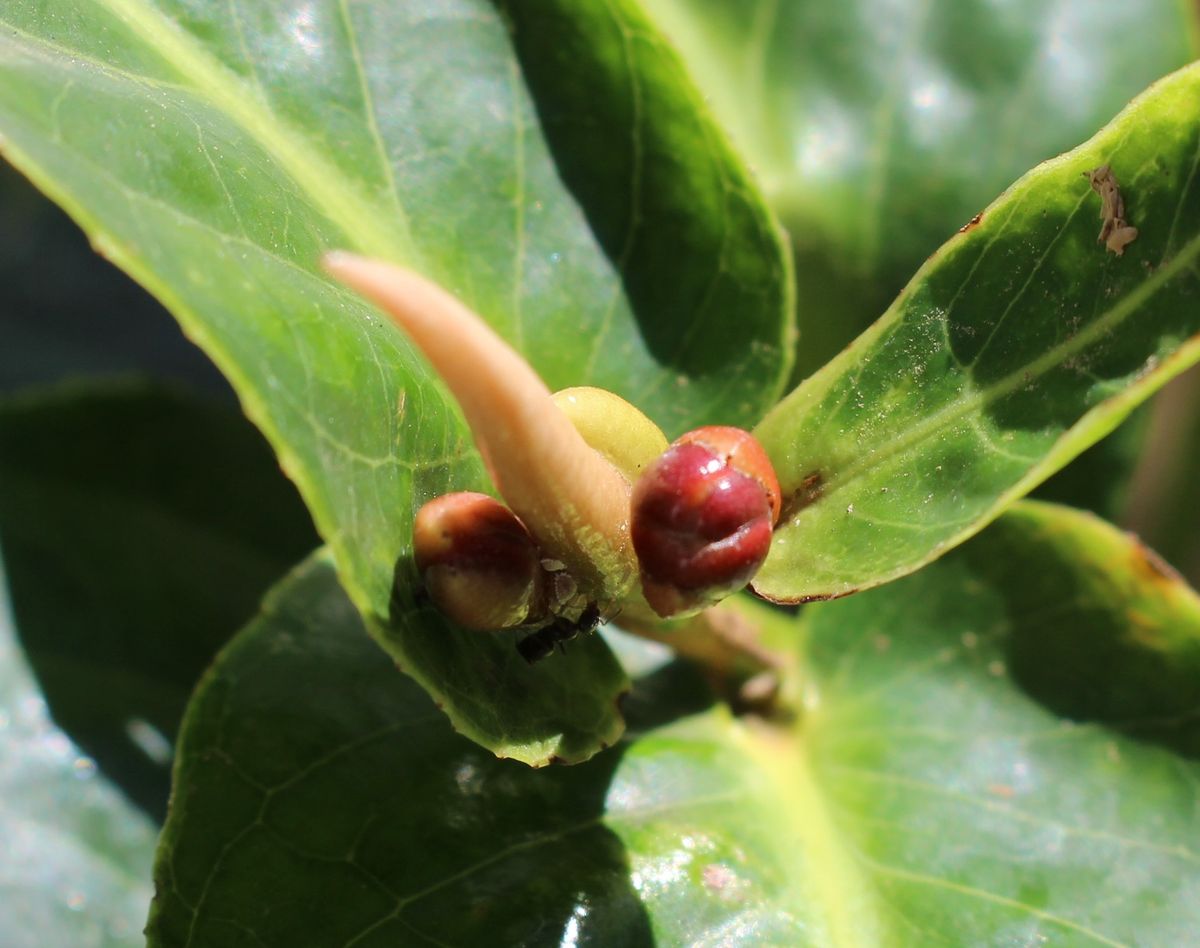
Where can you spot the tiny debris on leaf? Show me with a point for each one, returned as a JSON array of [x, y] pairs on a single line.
[[1115, 231], [973, 222]]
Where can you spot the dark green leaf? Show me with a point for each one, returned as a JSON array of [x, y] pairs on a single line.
[[315, 786], [671, 204], [878, 128], [1019, 344], [1105, 629], [77, 855], [215, 152], [140, 528], [922, 796]]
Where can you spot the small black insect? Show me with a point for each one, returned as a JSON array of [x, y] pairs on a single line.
[[540, 644]]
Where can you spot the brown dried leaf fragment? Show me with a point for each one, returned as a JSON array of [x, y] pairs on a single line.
[[1115, 231]]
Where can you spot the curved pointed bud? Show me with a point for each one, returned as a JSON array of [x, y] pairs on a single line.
[[573, 502], [702, 519], [478, 563]]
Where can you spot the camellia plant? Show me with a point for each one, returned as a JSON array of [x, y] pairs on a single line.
[[570, 321]]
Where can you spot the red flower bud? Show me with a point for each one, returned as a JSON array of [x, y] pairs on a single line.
[[477, 561], [702, 518], [743, 453]]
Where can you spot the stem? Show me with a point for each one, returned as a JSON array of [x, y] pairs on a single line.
[[727, 645], [574, 503]]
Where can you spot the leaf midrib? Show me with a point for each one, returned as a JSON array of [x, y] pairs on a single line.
[[338, 198], [1052, 358], [819, 866]]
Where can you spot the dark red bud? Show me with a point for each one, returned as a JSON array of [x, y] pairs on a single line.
[[477, 561], [702, 516], [742, 452]]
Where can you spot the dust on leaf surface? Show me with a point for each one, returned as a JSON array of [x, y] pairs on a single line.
[[879, 128], [1018, 345]]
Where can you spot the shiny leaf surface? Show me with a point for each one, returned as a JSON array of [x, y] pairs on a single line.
[[215, 152], [1020, 343], [922, 794], [77, 854]]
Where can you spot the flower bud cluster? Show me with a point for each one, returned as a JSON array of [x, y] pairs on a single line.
[[594, 497], [701, 517]]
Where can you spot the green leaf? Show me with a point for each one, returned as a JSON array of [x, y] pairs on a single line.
[[921, 797], [1099, 479], [1019, 344], [878, 128], [1107, 630], [312, 781], [702, 260], [215, 153], [77, 855], [140, 529]]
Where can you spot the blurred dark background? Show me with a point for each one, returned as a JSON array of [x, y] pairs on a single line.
[[65, 313]]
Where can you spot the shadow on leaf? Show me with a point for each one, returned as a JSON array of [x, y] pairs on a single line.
[[1102, 630], [129, 563], [312, 773]]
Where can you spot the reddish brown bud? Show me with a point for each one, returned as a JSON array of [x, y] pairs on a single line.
[[742, 452], [702, 519], [477, 561]]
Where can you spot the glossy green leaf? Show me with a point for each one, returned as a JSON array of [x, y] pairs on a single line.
[[77, 854], [878, 128], [215, 152], [1108, 631], [140, 528], [313, 782], [1020, 343], [922, 796]]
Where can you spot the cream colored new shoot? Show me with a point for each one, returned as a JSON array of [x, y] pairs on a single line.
[[572, 499]]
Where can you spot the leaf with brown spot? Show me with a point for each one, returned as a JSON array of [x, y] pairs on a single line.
[[1012, 350]]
